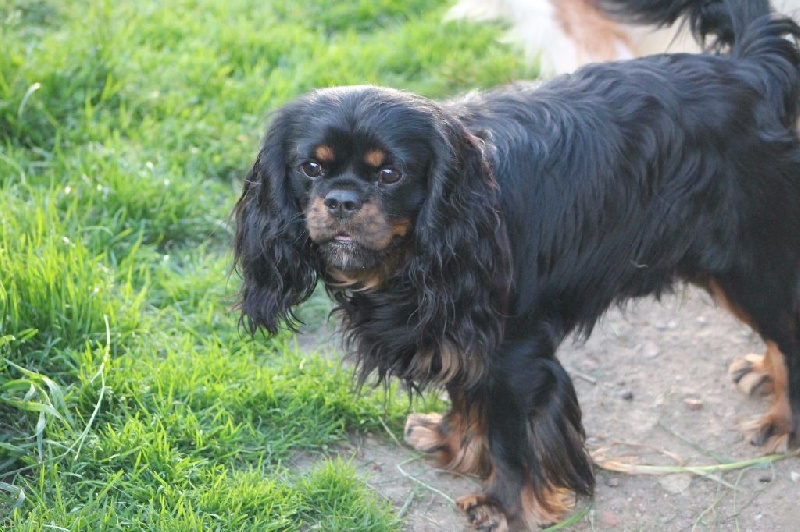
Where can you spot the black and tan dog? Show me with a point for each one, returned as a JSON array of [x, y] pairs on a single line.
[[464, 240]]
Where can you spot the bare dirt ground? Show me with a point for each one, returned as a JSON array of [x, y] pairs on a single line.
[[653, 386]]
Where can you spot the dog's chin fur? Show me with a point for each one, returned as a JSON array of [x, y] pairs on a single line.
[[353, 266], [530, 211], [349, 257]]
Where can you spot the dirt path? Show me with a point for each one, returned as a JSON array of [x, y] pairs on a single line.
[[654, 378]]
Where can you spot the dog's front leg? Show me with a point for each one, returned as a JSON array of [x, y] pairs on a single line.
[[535, 439], [520, 431]]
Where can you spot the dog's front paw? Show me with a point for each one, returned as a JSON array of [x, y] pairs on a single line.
[[423, 432], [750, 375], [482, 514]]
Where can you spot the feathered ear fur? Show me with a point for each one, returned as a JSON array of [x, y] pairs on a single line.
[[272, 248], [461, 261]]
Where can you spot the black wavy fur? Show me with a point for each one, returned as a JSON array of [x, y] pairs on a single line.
[[533, 208]]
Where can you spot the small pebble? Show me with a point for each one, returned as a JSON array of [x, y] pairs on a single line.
[[610, 520], [765, 479], [626, 395], [795, 476], [612, 482], [693, 403], [648, 349]]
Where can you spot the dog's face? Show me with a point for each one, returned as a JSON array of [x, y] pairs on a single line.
[[381, 192], [358, 171]]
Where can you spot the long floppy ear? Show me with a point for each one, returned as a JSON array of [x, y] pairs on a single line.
[[461, 263], [272, 248]]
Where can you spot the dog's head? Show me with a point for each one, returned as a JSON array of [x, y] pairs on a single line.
[[356, 165], [361, 186]]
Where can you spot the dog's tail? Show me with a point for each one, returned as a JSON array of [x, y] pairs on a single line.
[[714, 23], [769, 46]]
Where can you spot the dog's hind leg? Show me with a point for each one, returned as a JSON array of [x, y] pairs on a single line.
[[767, 300], [777, 430], [755, 374]]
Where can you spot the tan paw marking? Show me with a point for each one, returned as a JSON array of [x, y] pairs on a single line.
[[422, 432], [750, 375], [481, 514], [556, 502], [768, 434]]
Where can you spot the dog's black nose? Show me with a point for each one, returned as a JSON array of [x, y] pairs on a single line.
[[342, 202]]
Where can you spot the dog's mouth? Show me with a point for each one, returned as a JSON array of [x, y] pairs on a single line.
[[343, 243], [343, 239], [331, 236]]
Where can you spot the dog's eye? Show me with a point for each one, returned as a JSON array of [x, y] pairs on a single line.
[[389, 175], [312, 169]]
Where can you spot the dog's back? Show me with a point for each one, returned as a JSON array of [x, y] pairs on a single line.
[[611, 160]]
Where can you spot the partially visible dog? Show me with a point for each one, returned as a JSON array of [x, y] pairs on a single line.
[[563, 35], [463, 241]]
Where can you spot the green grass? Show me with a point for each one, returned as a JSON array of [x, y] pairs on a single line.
[[129, 396]]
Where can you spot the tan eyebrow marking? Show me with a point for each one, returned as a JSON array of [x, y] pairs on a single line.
[[375, 157], [324, 154]]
